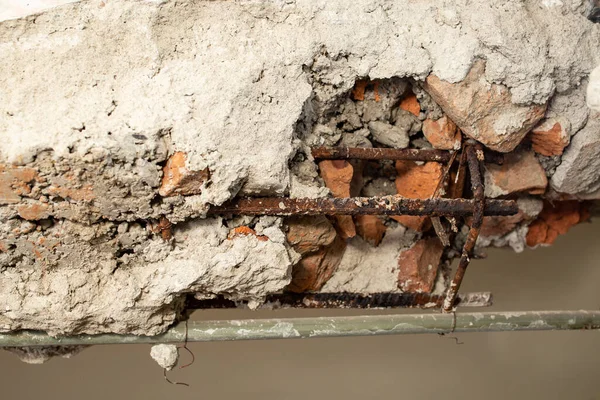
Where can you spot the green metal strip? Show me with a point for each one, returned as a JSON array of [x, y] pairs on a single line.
[[286, 328]]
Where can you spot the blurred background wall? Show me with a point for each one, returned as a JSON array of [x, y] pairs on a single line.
[[521, 365]]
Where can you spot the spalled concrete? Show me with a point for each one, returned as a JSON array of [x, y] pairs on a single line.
[[94, 99]]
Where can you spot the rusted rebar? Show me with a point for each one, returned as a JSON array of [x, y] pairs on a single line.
[[349, 300], [385, 205], [438, 227], [360, 153], [475, 157]]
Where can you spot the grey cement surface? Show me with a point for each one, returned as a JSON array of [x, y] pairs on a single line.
[[526, 365]]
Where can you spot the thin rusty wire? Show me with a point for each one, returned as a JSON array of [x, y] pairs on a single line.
[[185, 343]]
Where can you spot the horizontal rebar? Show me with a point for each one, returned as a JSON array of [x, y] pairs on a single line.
[[386, 205], [349, 300], [361, 153], [365, 325]]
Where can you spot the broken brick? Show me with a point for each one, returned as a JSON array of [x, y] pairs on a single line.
[[500, 226], [245, 231], [416, 181], [14, 182], [411, 104], [309, 234], [314, 270], [34, 211], [371, 228], [521, 172], [178, 180], [338, 175], [549, 138], [554, 220], [85, 193], [358, 93], [484, 111], [442, 133], [419, 265]]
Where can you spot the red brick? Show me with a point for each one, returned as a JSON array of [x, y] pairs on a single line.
[[416, 181], [442, 133], [549, 138], [314, 270], [337, 175], [245, 231], [33, 211], [14, 182], [554, 220], [521, 172], [309, 234], [419, 265], [370, 228], [178, 180], [411, 104], [484, 111]]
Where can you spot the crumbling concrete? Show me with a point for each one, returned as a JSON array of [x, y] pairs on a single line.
[[122, 123]]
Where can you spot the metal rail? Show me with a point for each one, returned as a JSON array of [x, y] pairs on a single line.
[[366, 325]]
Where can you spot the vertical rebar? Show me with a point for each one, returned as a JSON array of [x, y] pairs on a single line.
[[475, 159]]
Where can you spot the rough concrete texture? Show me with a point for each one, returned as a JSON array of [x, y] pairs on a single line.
[[41, 354], [579, 172], [165, 355], [96, 97], [484, 112], [368, 269], [593, 90]]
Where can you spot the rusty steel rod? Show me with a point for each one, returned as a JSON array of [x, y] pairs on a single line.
[[348, 300], [360, 153], [385, 205], [475, 158], [381, 153]]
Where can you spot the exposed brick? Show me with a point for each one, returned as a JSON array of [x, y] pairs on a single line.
[[500, 226], [309, 234], [358, 93], [245, 231], [521, 172], [549, 138], [85, 193], [371, 228], [419, 265], [34, 211], [442, 133], [554, 220], [337, 175], [416, 181], [484, 111], [314, 270], [178, 180], [411, 104], [14, 182]]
